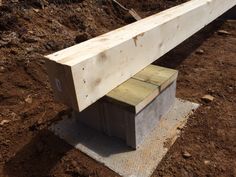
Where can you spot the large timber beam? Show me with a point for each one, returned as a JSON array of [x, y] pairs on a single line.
[[83, 73]]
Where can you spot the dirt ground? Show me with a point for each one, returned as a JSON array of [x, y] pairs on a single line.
[[30, 29]]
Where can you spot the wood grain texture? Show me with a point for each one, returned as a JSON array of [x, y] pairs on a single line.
[[99, 65], [133, 93], [137, 92], [157, 75]]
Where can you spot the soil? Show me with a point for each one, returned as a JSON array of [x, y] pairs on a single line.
[[30, 29]]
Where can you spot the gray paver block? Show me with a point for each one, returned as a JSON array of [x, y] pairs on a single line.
[[114, 153], [116, 121]]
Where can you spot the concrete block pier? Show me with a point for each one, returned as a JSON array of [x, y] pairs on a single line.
[[132, 110]]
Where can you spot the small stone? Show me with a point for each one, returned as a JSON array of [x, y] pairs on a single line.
[[200, 52], [29, 49], [206, 162], [79, 9], [29, 99], [208, 98], [4, 122], [14, 115], [230, 89], [36, 10], [186, 154], [2, 69], [223, 32]]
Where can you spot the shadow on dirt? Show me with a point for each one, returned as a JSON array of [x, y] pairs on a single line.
[[176, 56], [38, 157]]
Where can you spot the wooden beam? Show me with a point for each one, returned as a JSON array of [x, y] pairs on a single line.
[[89, 70]]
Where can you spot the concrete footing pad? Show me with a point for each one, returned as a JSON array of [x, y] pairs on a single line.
[[115, 154]]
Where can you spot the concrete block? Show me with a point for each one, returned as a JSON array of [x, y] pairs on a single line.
[[115, 154], [129, 126]]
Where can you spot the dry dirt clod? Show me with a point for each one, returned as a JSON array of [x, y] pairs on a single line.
[[230, 89], [36, 10], [13, 115], [4, 122], [223, 32], [2, 69], [29, 49], [8, 38], [186, 154], [29, 99], [206, 162], [208, 98]]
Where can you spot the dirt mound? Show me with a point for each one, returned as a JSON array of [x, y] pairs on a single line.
[[31, 29]]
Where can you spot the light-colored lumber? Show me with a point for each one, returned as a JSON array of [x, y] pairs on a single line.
[[157, 75], [95, 67], [138, 91], [134, 94]]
